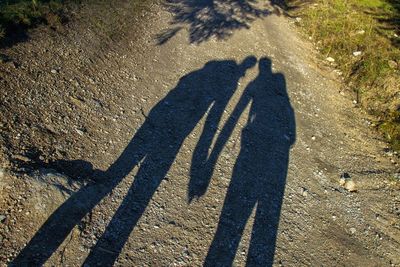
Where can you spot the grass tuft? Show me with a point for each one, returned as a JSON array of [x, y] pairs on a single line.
[[372, 27], [19, 15]]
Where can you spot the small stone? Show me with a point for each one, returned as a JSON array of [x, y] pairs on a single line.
[[330, 59], [350, 186], [389, 153], [13, 64], [353, 230], [54, 71], [298, 19], [393, 64], [304, 192], [338, 72], [2, 218], [357, 53], [313, 138], [21, 158], [79, 131]]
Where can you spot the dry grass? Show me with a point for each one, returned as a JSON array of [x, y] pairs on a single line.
[[342, 27]]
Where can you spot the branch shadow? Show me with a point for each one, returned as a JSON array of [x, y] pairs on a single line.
[[205, 19]]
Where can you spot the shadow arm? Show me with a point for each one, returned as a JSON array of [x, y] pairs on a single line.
[[203, 166]]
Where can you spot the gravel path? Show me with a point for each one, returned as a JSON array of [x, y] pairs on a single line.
[[193, 133]]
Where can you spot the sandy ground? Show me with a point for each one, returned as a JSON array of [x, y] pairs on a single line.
[[190, 134]]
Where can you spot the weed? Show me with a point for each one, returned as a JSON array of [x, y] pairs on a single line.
[[362, 36], [19, 15]]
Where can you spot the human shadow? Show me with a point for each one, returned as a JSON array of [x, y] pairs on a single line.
[[205, 19], [153, 149], [259, 175]]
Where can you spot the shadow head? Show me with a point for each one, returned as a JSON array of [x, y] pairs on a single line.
[[265, 65], [247, 63]]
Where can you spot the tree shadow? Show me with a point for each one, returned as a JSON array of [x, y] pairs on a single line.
[[153, 148], [205, 19], [259, 175]]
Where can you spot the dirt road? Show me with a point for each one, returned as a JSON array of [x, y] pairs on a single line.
[[193, 133]]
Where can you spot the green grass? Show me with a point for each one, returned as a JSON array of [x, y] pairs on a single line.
[[341, 27]]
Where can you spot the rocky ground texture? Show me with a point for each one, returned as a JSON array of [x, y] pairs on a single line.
[[72, 100]]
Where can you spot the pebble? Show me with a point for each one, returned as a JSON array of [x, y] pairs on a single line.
[[54, 71], [13, 64], [303, 192], [350, 186], [80, 132], [357, 53], [393, 64], [353, 230], [2, 218], [330, 59], [21, 158], [346, 182]]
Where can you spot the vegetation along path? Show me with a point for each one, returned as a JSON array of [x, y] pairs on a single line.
[[187, 133]]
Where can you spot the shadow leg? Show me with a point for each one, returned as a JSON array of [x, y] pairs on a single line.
[[131, 209], [269, 204], [61, 222], [59, 225], [237, 209], [263, 237]]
